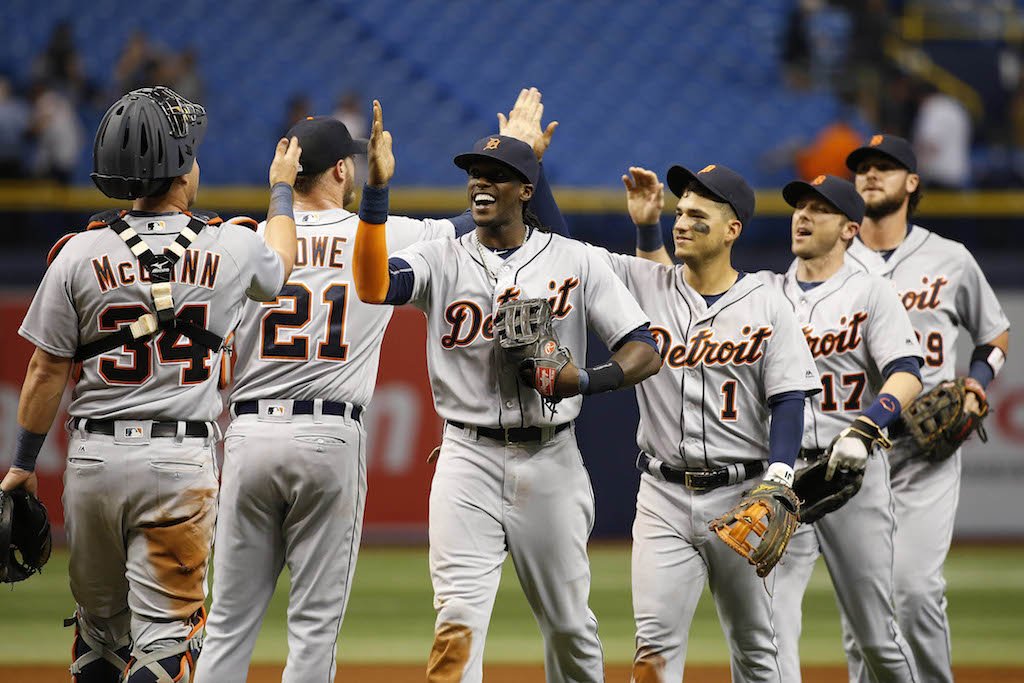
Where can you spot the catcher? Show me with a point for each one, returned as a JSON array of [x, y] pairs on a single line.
[[501, 303]]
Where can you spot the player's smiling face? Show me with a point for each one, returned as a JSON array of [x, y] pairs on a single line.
[[703, 227], [817, 227], [496, 194], [884, 185]]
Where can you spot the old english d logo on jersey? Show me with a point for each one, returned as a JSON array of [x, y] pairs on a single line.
[[492, 143]]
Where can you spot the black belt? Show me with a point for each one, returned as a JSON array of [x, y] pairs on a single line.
[[695, 479], [158, 429], [812, 454], [302, 408], [512, 434]]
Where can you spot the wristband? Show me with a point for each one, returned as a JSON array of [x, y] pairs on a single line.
[[605, 377], [884, 410], [27, 449], [648, 237], [986, 362], [373, 207], [282, 198]]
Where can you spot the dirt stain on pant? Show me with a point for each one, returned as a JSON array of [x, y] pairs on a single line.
[[450, 653], [178, 553], [648, 667]]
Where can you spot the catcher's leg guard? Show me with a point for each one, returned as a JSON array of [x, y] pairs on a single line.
[[173, 664], [92, 662]]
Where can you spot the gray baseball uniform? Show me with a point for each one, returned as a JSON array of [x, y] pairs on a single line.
[[855, 326], [706, 409], [140, 503], [531, 497], [294, 481], [943, 289]]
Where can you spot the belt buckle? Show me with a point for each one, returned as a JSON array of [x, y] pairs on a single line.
[[689, 480]]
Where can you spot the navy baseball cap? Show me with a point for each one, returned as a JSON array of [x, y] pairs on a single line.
[[511, 152], [891, 146], [722, 182], [840, 193], [324, 140]]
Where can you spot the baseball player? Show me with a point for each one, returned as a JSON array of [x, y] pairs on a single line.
[[868, 359], [509, 478], [734, 356], [143, 300], [305, 373], [943, 289]]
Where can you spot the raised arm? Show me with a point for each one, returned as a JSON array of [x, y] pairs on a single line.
[[280, 232], [524, 123], [645, 199], [370, 254]]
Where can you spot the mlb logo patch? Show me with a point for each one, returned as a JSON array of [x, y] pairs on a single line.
[[133, 432], [156, 225], [275, 411], [310, 218]]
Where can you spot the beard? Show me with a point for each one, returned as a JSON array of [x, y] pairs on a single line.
[[887, 206]]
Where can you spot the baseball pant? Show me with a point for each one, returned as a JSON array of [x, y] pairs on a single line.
[[926, 497], [857, 542], [674, 553], [292, 492], [532, 500], [139, 514]]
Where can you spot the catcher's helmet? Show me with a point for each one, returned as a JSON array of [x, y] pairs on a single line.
[[145, 140]]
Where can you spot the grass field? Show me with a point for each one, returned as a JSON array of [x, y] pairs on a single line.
[[390, 619]]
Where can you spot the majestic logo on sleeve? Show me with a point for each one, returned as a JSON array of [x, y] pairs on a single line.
[[704, 348], [846, 339], [467, 320], [927, 298]]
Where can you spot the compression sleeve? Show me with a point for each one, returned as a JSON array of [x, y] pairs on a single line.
[[370, 254], [787, 428]]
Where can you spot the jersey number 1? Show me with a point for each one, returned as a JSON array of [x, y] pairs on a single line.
[[293, 311]]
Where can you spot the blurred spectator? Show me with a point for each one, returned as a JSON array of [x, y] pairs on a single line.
[[828, 151], [298, 107], [185, 79], [57, 132], [866, 59], [942, 140], [14, 122], [136, 64], [349, 111], [796, 49], [59, 64]]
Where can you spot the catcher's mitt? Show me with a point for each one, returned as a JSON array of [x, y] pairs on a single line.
[[527, 340], [819, 496], [770, 512], [937, 423], [24, 531]]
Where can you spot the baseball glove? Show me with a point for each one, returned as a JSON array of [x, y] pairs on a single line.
[[770, 511], [527, 340], [820, 496], [24, 531], [937, 423]]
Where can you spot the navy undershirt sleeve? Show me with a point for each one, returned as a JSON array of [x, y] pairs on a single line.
[[463, 223], [787, 428], [911, 364], [544, 206], [402, 281], [640, 334]]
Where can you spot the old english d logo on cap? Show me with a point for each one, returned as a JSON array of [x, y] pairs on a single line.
[[492, 143], [876, 140], [707, 169], [818, 181]]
